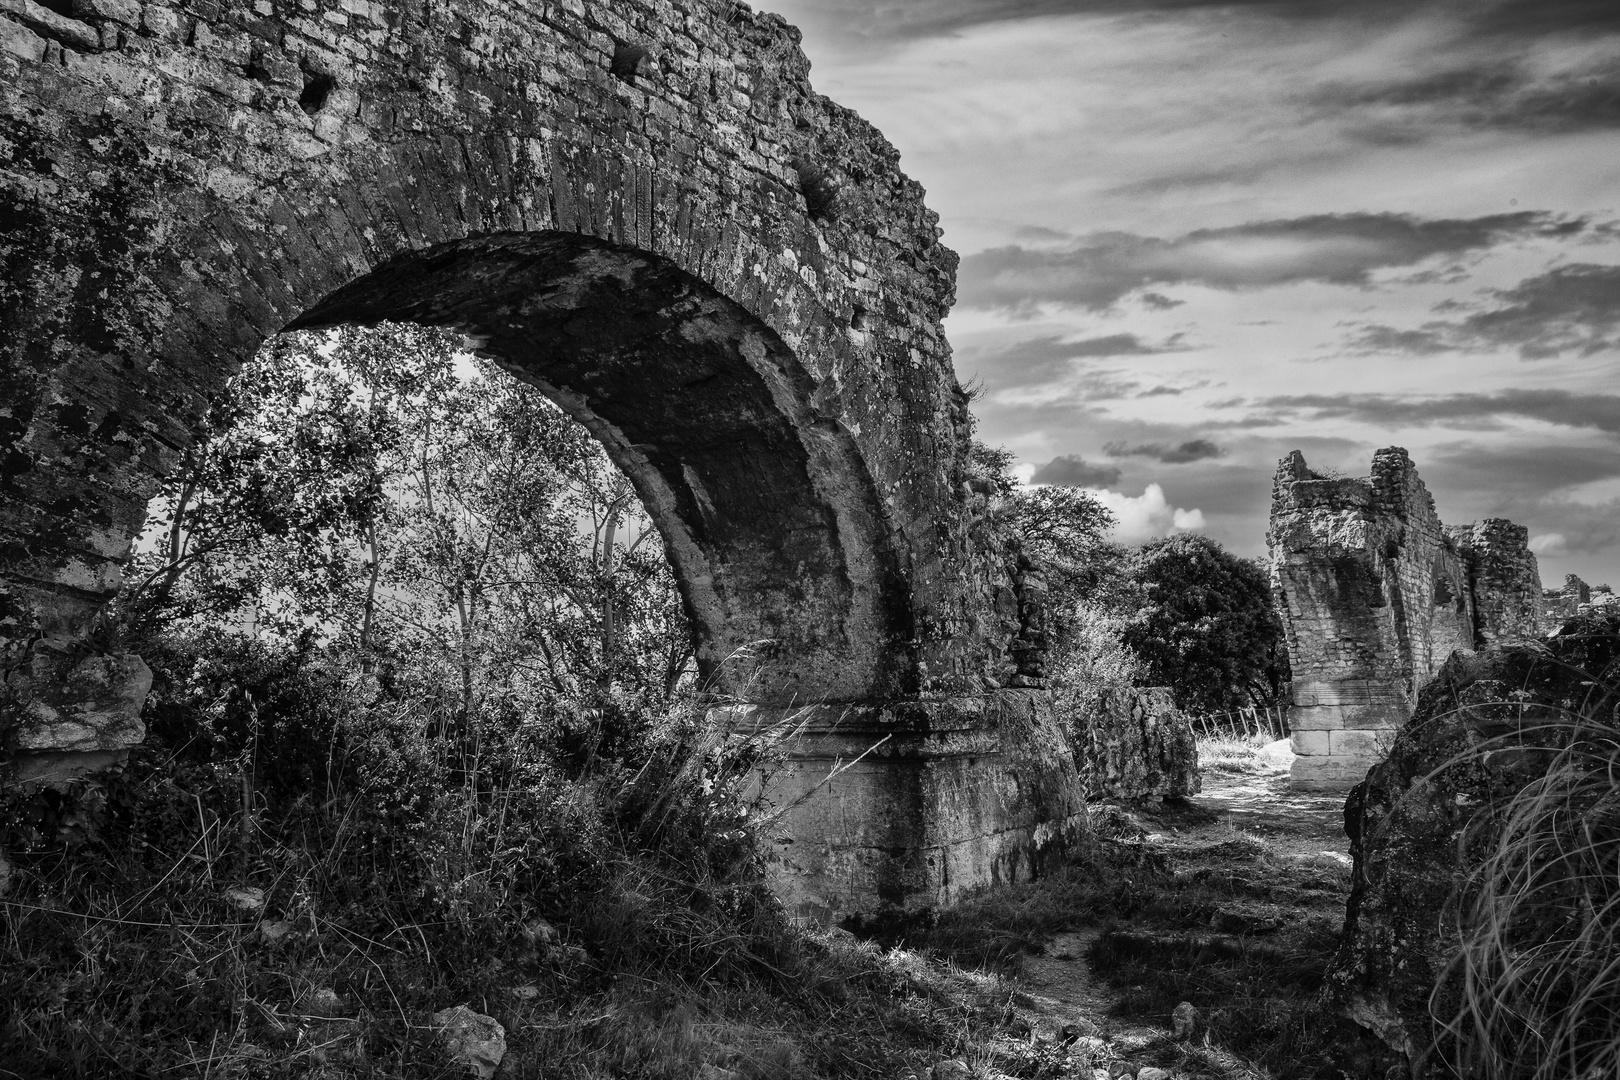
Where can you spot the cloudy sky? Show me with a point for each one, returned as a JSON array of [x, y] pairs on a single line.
[[1196, 236]]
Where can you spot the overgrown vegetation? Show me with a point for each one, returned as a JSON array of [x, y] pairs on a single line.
[[1534, 990], [423, 732], [1179, 611]]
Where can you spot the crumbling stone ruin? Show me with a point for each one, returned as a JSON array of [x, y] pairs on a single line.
[[1576, 598], [1374, 594], [640, 207], [1138, 745]]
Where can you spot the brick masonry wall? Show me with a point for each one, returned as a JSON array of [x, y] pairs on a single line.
[[1374, 594]]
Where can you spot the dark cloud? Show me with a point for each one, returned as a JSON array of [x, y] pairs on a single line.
[[1494, 92], [1178, 454], [1517, 476], [1071, 470], [1160, 302], [1046, 359], [1530, 18], [1113, 345], [1569, 309], [1341, 249], [1376, 338], [1574, 308], [858, 22], [1600, 412]]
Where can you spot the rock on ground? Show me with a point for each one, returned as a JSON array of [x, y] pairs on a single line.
[[1438, 783], [473, 1039]]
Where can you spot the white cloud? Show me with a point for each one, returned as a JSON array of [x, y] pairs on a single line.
[[1549, 544], [1147, 516]]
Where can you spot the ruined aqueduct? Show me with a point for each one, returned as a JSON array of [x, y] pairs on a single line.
[[639, 206]]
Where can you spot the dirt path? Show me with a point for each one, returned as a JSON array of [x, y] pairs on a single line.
[[1265, 859], [1262, 803]]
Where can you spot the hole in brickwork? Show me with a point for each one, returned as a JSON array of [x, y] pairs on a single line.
[[255, 69], [819, 189], [857, 318], [628, 61], [61, 7], [317, 88]]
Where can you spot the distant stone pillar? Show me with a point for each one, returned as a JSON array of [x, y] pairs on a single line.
[[1374, 594], [1365, 582]]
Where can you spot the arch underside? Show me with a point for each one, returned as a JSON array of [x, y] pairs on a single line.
[[767, 510]]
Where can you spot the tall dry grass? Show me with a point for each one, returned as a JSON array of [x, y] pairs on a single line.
[[1533, 992]]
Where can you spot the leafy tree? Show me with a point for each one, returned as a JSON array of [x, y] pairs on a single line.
[[1063, 529], [435, 526], [1204, 625], [1066, 530]]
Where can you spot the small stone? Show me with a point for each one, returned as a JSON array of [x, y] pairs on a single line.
[[473, 1039], [6, 874], [527, 992], [1080, 1028], [245, 898], [276, 931], [1150, 1072], [1047, 1031], [950, 1069], [323, 1001], [538, 932], [1184, 1021]]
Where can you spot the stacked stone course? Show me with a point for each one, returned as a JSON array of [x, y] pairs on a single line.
[[1374, 594]]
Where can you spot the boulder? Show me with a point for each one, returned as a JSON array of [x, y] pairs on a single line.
[[1483, 741], [1138, 745]]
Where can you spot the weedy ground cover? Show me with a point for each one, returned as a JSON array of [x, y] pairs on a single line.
[[615, 925]]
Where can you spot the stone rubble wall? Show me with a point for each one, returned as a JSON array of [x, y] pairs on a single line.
[[1138, 745], [1374, 594]]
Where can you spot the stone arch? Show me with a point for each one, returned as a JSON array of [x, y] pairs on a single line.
[[769, 515], [691, 241]]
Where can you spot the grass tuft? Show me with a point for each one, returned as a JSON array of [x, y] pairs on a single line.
[[1536, 980]]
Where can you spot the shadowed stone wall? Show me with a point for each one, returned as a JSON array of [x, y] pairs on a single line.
[[1374, 594], [640, 207]]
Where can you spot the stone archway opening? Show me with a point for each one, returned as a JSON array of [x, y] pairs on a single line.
[[770, 522]]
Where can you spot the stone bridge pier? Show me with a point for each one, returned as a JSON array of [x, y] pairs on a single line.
[[640, 207], [1374, 594]]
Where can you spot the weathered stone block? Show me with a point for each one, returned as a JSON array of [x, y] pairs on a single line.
[[1326, 773], [1320, 718], [1367, 745], [127, 12], [1314, 743], [20, 41], [66, 703], [913, 807]]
